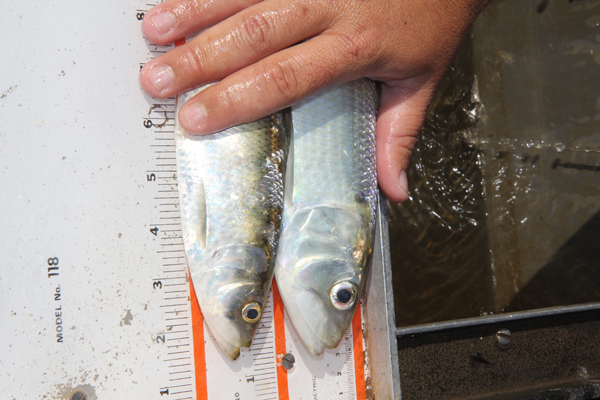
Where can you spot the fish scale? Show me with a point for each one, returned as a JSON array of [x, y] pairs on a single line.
[[231, 202], [329, 220]]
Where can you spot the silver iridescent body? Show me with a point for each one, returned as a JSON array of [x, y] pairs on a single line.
[[231, 199], [329, 219]]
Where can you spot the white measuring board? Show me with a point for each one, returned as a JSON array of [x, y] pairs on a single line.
[[94, 291]]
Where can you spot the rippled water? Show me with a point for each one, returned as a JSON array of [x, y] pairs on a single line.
[[440, 251], [504, 208]]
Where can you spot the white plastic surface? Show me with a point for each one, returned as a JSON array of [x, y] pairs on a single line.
[[94, 295]]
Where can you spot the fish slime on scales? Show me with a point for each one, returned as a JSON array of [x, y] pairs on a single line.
[[330, 209], [231, 199]]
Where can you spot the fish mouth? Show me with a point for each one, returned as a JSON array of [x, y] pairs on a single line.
[[318, 326], [309, 298], [317, 255], [228, 337], [235, 289]]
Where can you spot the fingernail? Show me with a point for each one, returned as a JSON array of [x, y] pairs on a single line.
[[161, 76], [403, 182], [195, 114], [163, 22]]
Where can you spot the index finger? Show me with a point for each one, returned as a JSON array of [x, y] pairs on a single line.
[[175, 19]]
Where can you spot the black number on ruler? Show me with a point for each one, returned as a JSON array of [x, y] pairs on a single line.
[[151, 177], [148, 123], [53, 266], [154, 231], [160, 339], [158, 285], [140, 16], [164, 391], [251, 379]]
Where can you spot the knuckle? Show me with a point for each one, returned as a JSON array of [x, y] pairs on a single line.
[[248, 3], [357, 43], [284, 77], [195, 7], [229, 100], [194, 59], [256, 31]]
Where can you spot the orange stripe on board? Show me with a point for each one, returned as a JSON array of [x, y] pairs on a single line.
[[197, 329], [198, 340], [359, 354], [279, 322]]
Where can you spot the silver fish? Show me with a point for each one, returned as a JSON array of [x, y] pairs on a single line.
[[329, 217], [231, 199]]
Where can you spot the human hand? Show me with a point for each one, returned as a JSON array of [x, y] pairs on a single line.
[[269, 54]]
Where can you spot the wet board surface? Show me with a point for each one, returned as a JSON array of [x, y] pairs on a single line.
[[94, 290]]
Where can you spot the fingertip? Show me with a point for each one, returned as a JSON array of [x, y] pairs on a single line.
[[400, 118], [395, 188], [395, 142], [402, 188], [158, 25], [192, 117]]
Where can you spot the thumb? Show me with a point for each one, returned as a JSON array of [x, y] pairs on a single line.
[[400, 117]]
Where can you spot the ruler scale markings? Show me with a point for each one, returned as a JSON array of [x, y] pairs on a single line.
[[170, 325], [167, 333], [169, 231], [164, 171], [178, 386], [172, 277], [270, 340], [179, 365]]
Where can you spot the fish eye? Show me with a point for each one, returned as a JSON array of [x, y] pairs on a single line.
[[251, 312], [343, 295]]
